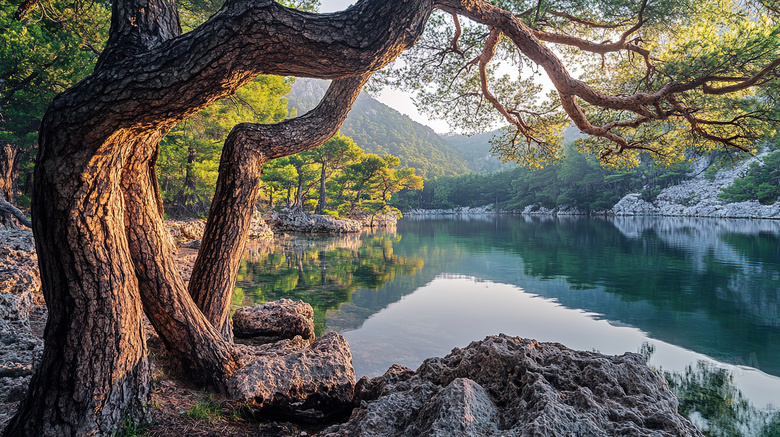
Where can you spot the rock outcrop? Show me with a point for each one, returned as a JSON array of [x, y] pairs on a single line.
[[461, 210], [388, 220], [300, 221], [259, 228], [186, 230], [294, 379], [188, 233], [508, 386], [283, 318], [20, 299], [698, 197]]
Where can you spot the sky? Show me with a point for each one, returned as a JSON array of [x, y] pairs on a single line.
[[401, 101]]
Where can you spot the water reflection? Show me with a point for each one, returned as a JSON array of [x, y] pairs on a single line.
[[712, 286], [708, 397], [324, 272], [696, 289]]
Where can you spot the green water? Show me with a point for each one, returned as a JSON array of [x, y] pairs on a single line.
[[703, 295]]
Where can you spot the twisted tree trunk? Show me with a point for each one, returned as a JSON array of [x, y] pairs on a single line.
[[247, 148], [103, 249]]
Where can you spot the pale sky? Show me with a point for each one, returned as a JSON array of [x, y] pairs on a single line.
[[399, 100]]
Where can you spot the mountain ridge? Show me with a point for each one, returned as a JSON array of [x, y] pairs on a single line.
[[378, 128]]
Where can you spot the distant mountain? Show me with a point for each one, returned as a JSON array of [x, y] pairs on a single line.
[[379, 129], [475, 150]]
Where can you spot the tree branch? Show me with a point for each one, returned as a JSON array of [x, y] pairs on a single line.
[[10, 210], [646, 105], [183, 74], [487, 54], [24, 8], [743, 84], [587, 23], [247, 148]]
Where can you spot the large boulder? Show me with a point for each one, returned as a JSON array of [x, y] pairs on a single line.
[[283, 318], [294, 379], [509, 386]]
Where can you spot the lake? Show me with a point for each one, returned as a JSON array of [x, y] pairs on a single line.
[[700, 297]]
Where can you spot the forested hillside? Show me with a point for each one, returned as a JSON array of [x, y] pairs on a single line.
[[379, 129], [475, 151]]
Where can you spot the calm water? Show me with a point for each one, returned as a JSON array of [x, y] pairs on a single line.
[[697, 292]]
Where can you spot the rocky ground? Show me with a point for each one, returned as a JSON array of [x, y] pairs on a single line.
[[22, 316], [499, 386], [698, 197]]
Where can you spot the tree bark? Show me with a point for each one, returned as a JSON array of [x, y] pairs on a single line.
[[321, 201], [94, 369], [9, 171], [191, 339], [102, 247], [247, 148]]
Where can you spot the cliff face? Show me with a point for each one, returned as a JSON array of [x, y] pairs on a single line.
[[698, 197]]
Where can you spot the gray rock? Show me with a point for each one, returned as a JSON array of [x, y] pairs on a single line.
[[20, 297], [20, 282], [299, 221], [192, 244], [284, 318], [698, 197], [508, 386], [312, 383], [186, 230], [461, 210], [259, 229], [20, 351], [462, 408]]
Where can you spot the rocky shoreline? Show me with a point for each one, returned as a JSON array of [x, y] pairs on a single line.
[[696, 197], [498, 386], [294, 220]]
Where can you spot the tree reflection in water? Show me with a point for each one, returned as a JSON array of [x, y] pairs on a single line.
[[322, 271], [707, 396]]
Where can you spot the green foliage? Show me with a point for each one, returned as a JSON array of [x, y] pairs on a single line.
[[381, 130], [762, 182], [577, 180], [709, 392], [686, 40], [354, 181], [189, 154], [205, 410], [54, 46], [128, 428]]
